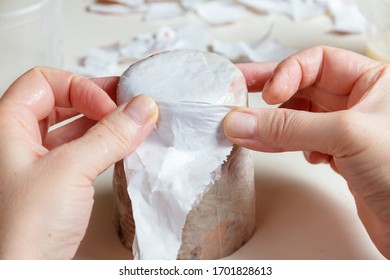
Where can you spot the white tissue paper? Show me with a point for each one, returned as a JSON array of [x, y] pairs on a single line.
[[99, 62], [182, 158], [171, 171], [346, 16], [162, 10], [298, 10], [114, 9], [218, 12]]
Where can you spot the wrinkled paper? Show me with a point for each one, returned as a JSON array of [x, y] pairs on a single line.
[[169, 173], [162, 10], [220, 12]]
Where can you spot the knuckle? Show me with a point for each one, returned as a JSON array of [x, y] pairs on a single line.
[[119, 136], [279, 127], [348, 120], [353, 135]]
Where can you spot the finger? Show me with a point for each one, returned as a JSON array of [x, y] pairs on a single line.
[[67, 132], [109, 85], [321, 66], [62, 114], [277, 130], [328, 101], [110, 140], [317, 157], [304, 104], [256, 74], [295, 103], [41, 89]]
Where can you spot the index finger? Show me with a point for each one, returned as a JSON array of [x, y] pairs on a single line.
[[256, 74], [328, 69], [41, 89]]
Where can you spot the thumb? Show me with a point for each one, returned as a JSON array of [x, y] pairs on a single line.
[[278, 130], [111, 139]]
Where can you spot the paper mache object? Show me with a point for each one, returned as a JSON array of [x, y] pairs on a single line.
[[186, 192]]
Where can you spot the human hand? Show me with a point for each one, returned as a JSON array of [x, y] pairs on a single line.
[[336, 108], [46, 192]]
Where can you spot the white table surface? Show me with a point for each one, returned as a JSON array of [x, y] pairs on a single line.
[[303, 211]]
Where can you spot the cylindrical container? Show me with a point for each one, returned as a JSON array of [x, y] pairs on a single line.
[[223, 219], [377, 13], [220, 224], [30, 35]]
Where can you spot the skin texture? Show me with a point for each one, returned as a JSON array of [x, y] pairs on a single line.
[[335, 106], [46, 192]]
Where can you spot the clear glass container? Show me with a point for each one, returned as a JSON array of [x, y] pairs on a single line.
[[30, 35], [377, 13]]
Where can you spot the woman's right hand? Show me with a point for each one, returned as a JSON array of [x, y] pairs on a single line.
[[335, 108]]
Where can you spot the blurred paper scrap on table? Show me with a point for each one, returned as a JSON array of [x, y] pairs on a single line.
[[344, 13], [103, 60]]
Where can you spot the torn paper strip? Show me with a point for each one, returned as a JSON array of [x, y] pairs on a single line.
[[139, 47], [242, 51], [296, 9], [114, 9], [171, 171], [268, 6], [163, 10], [346, 16], [191, 4], [220, 12], [301, 9], [131, 3], [194, 36], [99, 62]]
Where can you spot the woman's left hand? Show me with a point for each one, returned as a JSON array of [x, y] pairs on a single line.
[[46, 192]]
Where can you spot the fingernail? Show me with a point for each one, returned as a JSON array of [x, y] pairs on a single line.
[[140, 109], [240, 125]]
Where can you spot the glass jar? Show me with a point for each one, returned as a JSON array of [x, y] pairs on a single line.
[[30, 35], [377, 13]]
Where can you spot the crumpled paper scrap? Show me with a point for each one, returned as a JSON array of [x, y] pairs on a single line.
[[218, 12], [262, 49], [130, 3], [212, 12], [99, 62], [190, 146], [103, 61], [298, 10], [119, 7], [162, 10], [245, 52], [346, 16], [344, 13], [194, 36]]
